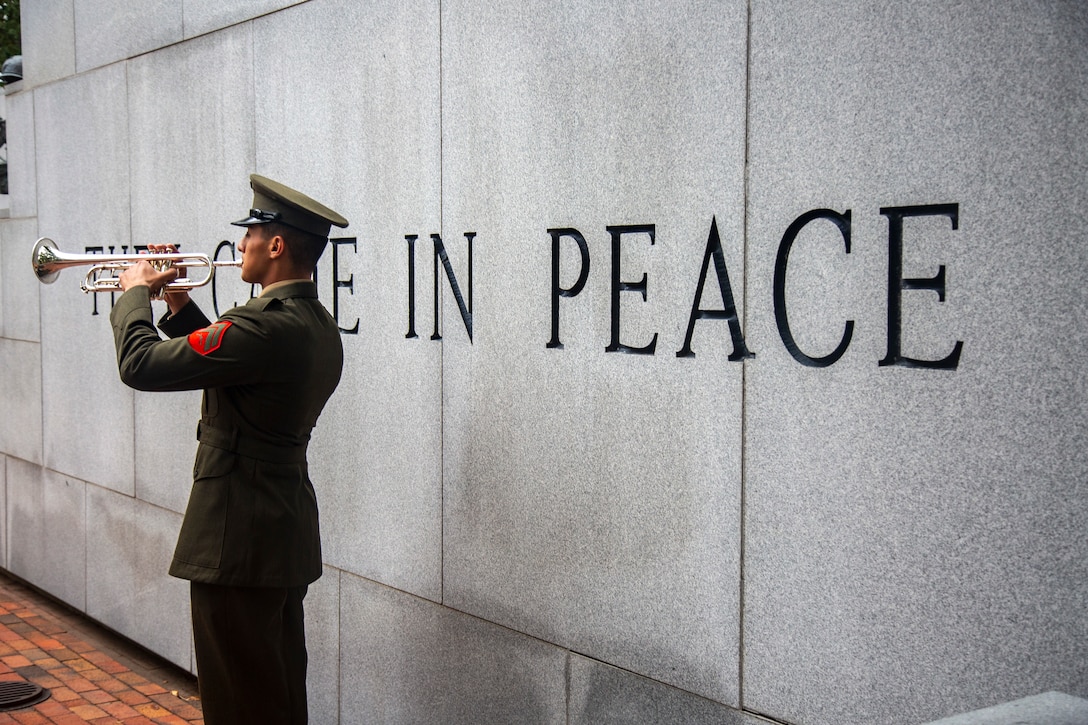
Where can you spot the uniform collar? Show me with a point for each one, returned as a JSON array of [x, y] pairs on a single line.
[[290, 288]]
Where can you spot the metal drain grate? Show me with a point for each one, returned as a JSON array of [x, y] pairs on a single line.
[[15, 695]]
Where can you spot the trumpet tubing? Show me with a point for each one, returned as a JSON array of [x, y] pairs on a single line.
[[48, 262]]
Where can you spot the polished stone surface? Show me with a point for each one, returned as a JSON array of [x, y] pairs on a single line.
[[405, 659], [604, 695], [21, 393], [592, 498], [191, 208], [19, 285], [1048, 708], [129, 547], [377, 450], [4, 511], [48, 41], [537, 532], [917, 533], [112, 30], [87, 413], [205, 16], [22, 172], [46, 530]]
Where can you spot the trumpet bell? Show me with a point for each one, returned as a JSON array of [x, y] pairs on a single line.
[[46, 260]]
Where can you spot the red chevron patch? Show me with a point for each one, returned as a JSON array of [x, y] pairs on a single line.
[[208, 340]]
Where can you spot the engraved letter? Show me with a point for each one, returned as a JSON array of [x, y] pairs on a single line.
[[338, 283], [466, 310], [729, 313], [557, 291], [896, 284], [842, 221], [411, 239], [618, 286]]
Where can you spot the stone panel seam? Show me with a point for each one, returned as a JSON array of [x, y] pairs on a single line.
[[87, 546], [4, 517], [37, 229], [567, 683], [442, 343], [41, 391], [477, 617], [339, 645], [131, 241], [744, 367], [37, 186], [569, 651]]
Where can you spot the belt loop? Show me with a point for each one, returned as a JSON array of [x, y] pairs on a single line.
[[227, 440]]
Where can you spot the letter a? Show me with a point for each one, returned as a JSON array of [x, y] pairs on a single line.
[[729, 313]]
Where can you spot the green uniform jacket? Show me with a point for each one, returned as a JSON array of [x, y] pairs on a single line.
[[267, 368]]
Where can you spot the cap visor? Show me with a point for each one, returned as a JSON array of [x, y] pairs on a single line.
[[249, 221]]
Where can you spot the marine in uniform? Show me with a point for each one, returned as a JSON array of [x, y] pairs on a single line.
[[249, 543]]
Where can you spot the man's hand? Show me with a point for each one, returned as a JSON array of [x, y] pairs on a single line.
[[174, 300], [143, 274]]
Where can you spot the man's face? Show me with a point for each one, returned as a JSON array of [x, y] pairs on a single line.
[[255, 247]]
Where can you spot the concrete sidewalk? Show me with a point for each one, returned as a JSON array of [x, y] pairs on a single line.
[[92, 675]]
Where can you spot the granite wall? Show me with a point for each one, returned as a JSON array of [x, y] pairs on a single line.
[[705, 361]]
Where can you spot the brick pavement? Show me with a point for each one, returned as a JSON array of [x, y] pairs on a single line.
[[93, 675]]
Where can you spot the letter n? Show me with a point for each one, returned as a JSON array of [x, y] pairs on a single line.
[[441, 256]]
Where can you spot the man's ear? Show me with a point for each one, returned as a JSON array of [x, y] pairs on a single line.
[[277, 247]]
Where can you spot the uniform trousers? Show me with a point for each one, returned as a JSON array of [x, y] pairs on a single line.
[[250, 654]]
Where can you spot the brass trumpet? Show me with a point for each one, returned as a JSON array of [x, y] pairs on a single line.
[[48, 261]]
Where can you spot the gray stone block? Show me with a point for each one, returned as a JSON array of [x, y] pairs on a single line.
[[83, 181], [4, 511], [48, 41], [112, 30], [21, 391], [19, 286], [3, 274], [408, 660], [604, 695], [129, 547], [191, 207], [914, 537], [1048, 708], [46, 529], [890, 544], [22, 173], [205, 16], [207, 113], [593, 498], [376, 453]]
